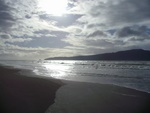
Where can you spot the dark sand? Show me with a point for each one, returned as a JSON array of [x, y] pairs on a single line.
[[79, 97], [22, 94]]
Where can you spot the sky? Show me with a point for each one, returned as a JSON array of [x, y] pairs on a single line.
[[38, 29]]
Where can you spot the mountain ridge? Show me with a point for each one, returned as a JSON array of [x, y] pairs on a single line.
[[133, 55]]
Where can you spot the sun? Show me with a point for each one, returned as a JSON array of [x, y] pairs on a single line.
[[53, 7]]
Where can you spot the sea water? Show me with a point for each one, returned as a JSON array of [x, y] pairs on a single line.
[[131, 74]]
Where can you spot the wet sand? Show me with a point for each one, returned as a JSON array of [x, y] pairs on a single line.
[[24, 94], [79, 97]]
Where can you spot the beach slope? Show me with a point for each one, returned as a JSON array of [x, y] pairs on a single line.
[[24, 94], [80, 97]]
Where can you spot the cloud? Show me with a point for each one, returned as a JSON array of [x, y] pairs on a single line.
[[97, 33], [115, 13], [129, 11], [62, 21], [4, 36], [97, 42], [107, 24], [134, 33], [29, 53], [88, 27], [44, 33], [6, 19]]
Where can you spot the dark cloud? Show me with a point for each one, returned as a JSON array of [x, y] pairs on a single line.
[[140, 31], [99, 43], [28, 16], [115, 12], [4, 36], [60, 34], [97, 33], [71, 4], [14, 13], [6, 19], [128, 11], [43, 31], [65, 20], [137, 39], [96, 25], [97, 9], [111, 31], [128, 31]]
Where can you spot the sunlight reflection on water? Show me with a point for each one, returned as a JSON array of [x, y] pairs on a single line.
[[58, 70]]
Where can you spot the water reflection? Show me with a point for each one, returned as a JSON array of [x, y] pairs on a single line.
[[58, 70], [127, 74]]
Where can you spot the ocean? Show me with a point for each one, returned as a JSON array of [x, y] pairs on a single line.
[[130, 74]]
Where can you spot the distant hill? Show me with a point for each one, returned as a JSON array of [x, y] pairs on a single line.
[[128, 55]]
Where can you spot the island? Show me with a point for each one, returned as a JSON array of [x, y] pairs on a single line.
[[128, 55]]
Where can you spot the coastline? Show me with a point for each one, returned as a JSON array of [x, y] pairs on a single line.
[[24, 94], [82, 97]]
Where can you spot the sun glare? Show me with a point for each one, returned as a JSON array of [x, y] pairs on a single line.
[[53, 7]]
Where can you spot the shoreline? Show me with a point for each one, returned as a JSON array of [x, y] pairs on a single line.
[[24, 94], [27, 94], [82, 97]]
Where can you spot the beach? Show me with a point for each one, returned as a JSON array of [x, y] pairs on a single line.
[[79, 97], [26, 94]]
